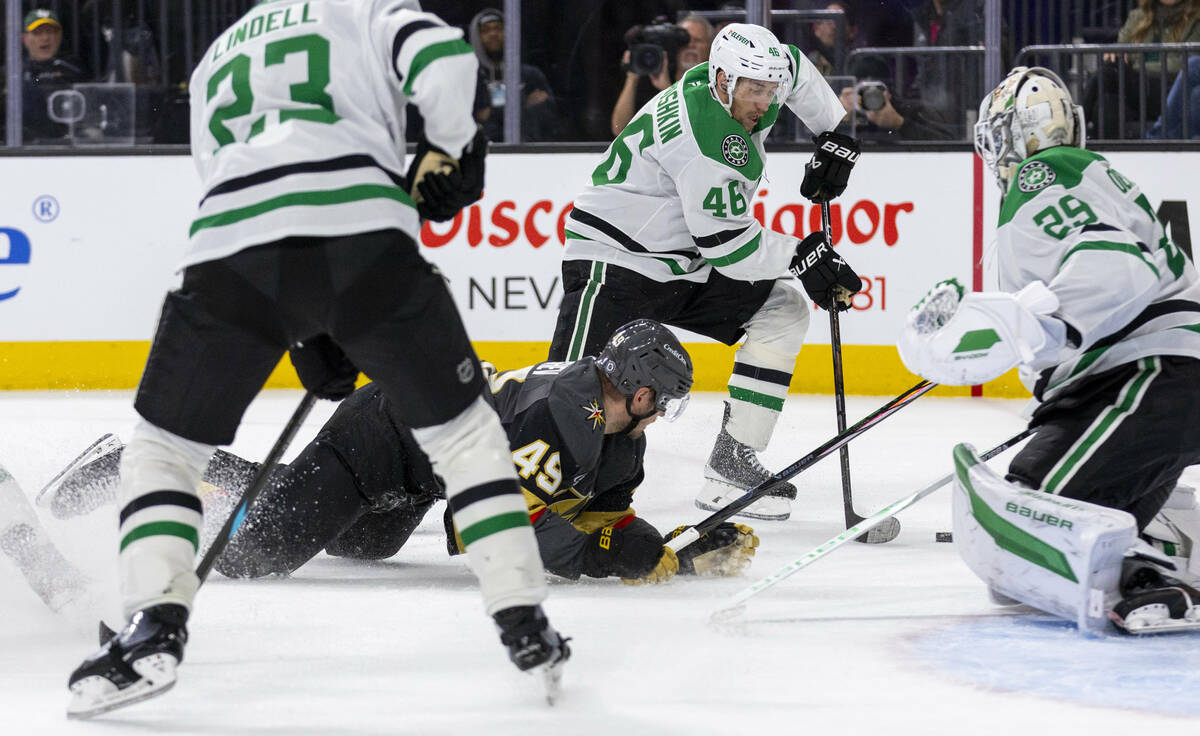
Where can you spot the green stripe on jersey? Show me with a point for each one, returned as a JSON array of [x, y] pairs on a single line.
[[740, 254], [163, 528], [1129, 248], [492, 525], [432, 53], [1068, 164], [738, 393], [316, 198]]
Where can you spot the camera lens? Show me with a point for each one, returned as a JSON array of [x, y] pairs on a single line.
[[646, 59], [872, 98]]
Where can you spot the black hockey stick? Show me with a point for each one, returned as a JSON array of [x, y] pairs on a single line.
[[692, 533], [736, 604], [888, 530], [238, 515]]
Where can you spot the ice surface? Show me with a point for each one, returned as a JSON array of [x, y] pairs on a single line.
[[884, 640]]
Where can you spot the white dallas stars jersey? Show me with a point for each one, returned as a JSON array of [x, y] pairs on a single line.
[[1125, 290], [297, 119], [671, 199]]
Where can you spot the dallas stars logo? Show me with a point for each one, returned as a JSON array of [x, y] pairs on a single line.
[[595, 413], [1035, 175], [735, 150]]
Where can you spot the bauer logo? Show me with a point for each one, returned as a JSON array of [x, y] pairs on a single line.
[[735, 150], [14, 251]]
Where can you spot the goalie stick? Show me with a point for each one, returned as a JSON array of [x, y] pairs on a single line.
[[692, 533], [260, 481], [886, 530], [737, 604]]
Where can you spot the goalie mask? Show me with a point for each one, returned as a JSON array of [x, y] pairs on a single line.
[[745, 51], [1030, 111]]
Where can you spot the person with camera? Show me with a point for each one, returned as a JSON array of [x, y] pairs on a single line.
[[658, 55], [881, 116], [666, 231]]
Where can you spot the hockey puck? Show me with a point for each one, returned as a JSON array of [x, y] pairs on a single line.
[[943, 537]]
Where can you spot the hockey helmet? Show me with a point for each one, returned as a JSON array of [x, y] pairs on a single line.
[[644, 353], [742, 50], [1030, 111]]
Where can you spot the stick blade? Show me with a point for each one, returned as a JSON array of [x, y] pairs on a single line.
[[885, 531]]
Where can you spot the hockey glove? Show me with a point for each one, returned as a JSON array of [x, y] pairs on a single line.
[[664, 570], [629, 549], [826, 175], [323, 368], [828, 279], [964, 341], [725, 551], [441, 186]]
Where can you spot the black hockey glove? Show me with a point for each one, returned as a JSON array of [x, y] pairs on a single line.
[[441, 186], [825, 176], [725, 551], [631, 551], [829, 280], [323, 368]]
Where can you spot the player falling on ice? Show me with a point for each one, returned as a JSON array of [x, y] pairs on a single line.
[[1101, 312], [666, 231], [305, 240]]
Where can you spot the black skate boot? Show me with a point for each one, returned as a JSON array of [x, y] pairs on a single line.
[[534, 645], [137, 664], [733, 468], [1154, 603]]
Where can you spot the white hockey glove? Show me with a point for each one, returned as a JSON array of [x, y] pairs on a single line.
[[961, 340]]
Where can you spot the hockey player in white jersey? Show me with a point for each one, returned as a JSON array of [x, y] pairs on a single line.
[[305, 240], [1101, 312], [665, 231]]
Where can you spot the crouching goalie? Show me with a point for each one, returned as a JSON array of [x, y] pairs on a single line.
[[1101, 313]]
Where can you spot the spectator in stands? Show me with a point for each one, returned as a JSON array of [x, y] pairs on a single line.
[[948, 83], [882, 116], [1152, 21], [539, 119], [639, 89], [45, 72], [1184, 91], [824, 54]]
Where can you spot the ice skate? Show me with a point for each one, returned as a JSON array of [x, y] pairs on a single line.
[[732, 470], [87, 483], [137, 664], [1154, 603], [534, 646]]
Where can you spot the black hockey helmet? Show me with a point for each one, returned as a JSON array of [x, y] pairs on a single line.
[[644, 353]]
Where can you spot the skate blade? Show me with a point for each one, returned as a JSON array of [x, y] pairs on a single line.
[[90, 697], [550, 675], [757, 510]]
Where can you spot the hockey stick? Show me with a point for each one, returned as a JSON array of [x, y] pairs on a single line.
[[238, 514], [692, 533], [737, 603], [884, 532]]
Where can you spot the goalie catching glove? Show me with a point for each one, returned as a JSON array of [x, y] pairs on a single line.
[[826, 175], [962, 340], [441, 186], [828, 279], [725, 551]]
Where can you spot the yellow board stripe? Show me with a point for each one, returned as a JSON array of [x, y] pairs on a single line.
[[872, 370]]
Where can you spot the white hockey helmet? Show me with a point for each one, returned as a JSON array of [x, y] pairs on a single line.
[[750, 51], [1030, 111]]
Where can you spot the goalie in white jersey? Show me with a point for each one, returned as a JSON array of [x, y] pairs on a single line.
[[306, 240], [665, 231], [1101, 312]]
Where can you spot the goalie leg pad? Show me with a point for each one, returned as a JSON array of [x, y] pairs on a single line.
[[471, 454], [1058, 555], [161, 518]]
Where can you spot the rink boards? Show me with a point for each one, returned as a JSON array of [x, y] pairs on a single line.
[[89, 245]]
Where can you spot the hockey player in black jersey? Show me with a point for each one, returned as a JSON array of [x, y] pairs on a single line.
[[361, 487]]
